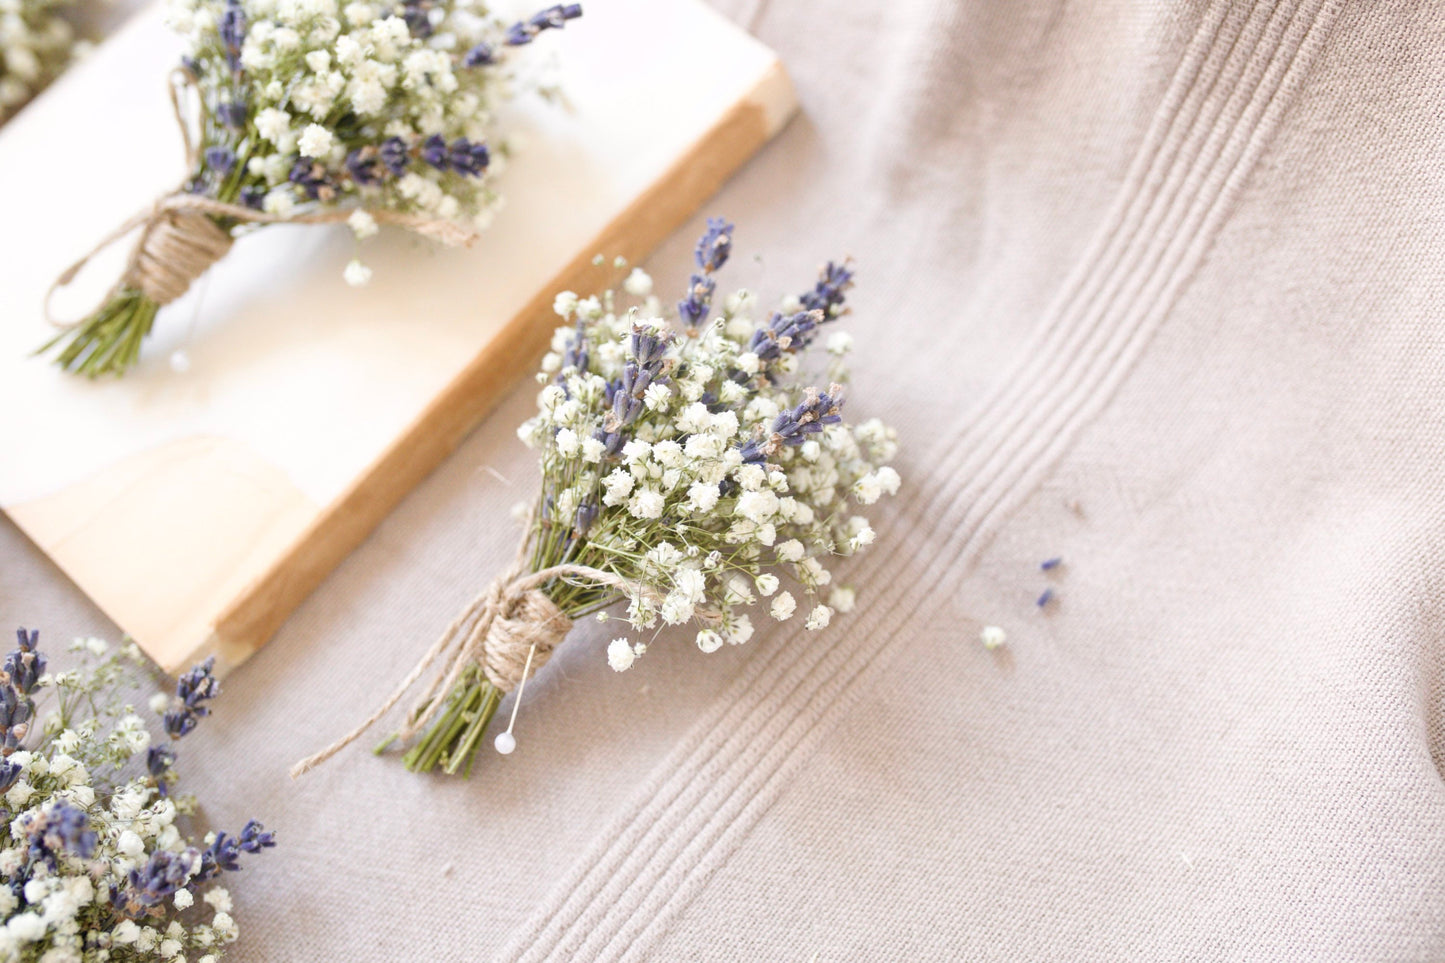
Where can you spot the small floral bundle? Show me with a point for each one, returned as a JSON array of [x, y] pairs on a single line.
[[688, 470], [36, 43], [94, 862], [310, 112]]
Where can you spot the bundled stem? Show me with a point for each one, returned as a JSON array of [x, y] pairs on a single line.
[[108, 342], [453, 740]]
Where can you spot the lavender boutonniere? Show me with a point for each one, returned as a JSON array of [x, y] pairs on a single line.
[[94, 862], [36, 44], [691, 471], [310, 111]]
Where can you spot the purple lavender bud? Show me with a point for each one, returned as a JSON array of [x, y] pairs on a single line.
[[233, 114], [394, 155], [163, 874], [312, 178], [365, 165], [224, 853], [417, 15], [556, 16], [582, 524], [784, 333], [828, 294], [57, 829], [25, 665], [233, 32], [253, 839], [715, 245], [647, 347], [468, 159], [9, 774], [159, 760], [612, 441], [193, 690], [1049, 565], [220, 159], [575, 355], [692, 310], [434, 151], [482, 55], [793, 426], [552, 18], [625, 407], [15, 709]]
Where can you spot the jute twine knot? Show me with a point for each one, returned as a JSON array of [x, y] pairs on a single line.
[[181, 238], [175, 249], [510, 620], [524, 623]]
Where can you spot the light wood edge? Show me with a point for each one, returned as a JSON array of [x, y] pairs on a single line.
[[250, 621]]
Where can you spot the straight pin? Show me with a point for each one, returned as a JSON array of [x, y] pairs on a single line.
[[506, 742]]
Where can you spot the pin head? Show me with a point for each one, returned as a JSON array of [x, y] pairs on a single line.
[[505, 743]]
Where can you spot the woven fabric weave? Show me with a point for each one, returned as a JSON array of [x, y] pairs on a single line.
[[1151, 288]]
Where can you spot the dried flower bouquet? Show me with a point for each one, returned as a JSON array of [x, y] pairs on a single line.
[[690, 469], [309, 111]]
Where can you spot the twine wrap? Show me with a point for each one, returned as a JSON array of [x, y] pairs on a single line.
[[181, 237], [175, 249], [509, 620], [520, 623]]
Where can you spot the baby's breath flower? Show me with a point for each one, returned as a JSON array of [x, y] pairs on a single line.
[[36, 44], [357, 274], [685, 461], [93, 855], [818, 618], [638, 283], [389, 112], [620, 655]]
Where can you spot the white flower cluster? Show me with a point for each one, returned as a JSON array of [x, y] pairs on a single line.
[[36, 42], [94, 863], [722, 488], [371, 104]]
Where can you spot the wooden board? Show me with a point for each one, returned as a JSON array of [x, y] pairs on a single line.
[[199, 509]]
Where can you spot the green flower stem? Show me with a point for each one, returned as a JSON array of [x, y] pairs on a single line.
[[455, 736], [107, 342]]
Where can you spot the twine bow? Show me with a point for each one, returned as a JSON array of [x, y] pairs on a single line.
[[510, 620], [180, 237]]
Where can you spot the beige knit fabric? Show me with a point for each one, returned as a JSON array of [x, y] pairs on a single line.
[[1154, 288]]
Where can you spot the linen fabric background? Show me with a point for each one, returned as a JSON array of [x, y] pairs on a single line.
[[1156, 288]]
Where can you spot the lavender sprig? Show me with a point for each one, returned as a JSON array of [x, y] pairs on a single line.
[[829, 292], [193, 691], [712, 252], [552, 18], [224, 853], [792, 427], [82, 826], [694, 473], [356, 112]]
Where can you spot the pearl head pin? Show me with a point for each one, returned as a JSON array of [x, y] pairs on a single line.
[[506, 742]]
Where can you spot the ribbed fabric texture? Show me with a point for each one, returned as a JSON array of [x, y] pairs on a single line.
[[1153, 288], [1231, 86]]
